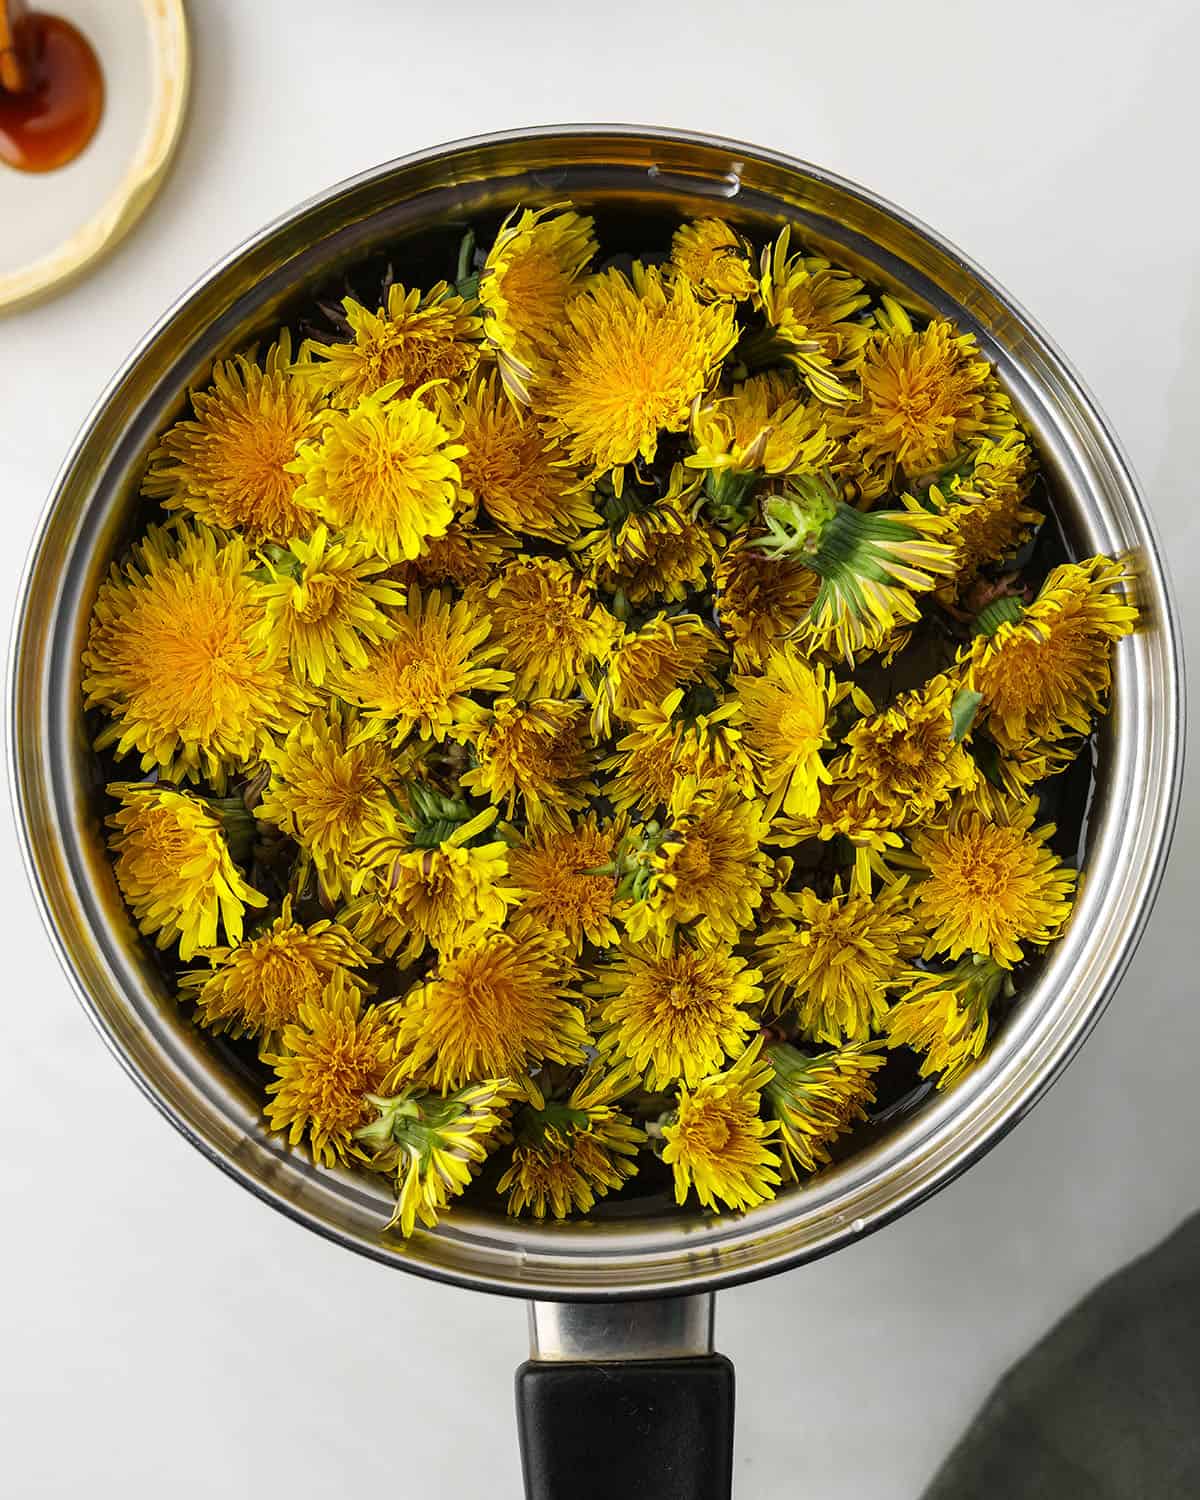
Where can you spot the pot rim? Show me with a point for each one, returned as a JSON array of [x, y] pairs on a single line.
[[687, 1253]]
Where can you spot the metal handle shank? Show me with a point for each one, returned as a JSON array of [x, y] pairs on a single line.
[[625, 1399]]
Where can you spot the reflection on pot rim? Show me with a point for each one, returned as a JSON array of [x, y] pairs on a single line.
[[1131, 822]]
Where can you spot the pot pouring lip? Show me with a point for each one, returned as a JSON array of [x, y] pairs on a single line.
[[640, 1257]]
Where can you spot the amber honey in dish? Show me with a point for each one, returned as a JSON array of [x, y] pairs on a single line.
[[48, 123]]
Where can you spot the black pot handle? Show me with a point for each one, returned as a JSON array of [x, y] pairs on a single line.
[[626, 1401]]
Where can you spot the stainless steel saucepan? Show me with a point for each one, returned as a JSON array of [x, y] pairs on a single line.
[[621, 1306]]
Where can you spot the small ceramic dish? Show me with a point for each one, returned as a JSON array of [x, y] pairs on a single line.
[[57, 224]]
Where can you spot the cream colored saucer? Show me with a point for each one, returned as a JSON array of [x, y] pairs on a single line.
[[54, 225]]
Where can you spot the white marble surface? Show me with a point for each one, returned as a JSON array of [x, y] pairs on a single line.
[[160, 1331]]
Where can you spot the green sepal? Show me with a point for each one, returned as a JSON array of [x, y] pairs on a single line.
[[432, 816], [238, 824], [986, 754], [963, 708], [466, 280], [1006, 611], [729, 497], [554, 1118]]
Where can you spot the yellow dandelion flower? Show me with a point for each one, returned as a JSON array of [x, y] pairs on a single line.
[[715, 259], [434, 1144], [760, 600], [718, 1143], [985, 505], [173, 659], [422, 677], [386, 472], [323, 603], [441, 896], [910, 756], [705, 868], [846, 811], [833, 961], [1044, 670], [556, 871], [990, 884], [526, 279], [565, 1173], [465, 558], [496, 1008], [647, 664], [642, 770], [549, 625], [809, 305], [419, 337], [632, 357], [572, 1151], [663, 747], [710, 746], [258, 987], [925, 393], [945, 1016], [674, 1014], [871, 564], [535, 752], [659, 553], [228, 465], [331, 1059], [515, 471], [174, 870], [1015, 773], [764, 426], [332, 790], [818, 1098], [786, 710]]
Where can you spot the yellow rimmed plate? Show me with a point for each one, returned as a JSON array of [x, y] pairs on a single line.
[[54, 225]]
